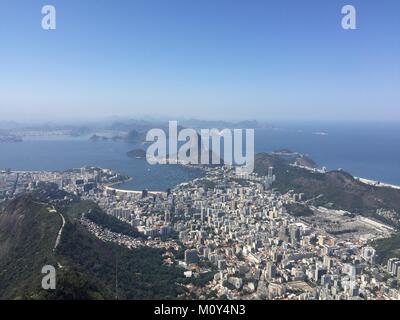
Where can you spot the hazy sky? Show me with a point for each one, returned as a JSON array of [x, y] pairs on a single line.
[[232, 60]]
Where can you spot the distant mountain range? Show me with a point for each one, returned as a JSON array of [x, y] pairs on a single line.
[[135, 130], [130, 124]]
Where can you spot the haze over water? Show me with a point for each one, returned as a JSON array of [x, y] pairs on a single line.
[[368, 151]]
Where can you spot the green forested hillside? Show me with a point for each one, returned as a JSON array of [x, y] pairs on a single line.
[[338, 188], [88, 268], [28, 231]]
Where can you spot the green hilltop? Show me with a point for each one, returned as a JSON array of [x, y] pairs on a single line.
[[86, 266]]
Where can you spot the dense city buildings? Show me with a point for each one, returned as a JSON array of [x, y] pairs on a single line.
[[240, 230]]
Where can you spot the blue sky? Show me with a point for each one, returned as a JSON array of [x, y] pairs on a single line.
[[210, 59]]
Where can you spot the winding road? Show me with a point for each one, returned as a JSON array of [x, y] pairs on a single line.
[[61, 229]]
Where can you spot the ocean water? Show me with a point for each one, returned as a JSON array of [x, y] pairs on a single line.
[[370, 151], [62, 154]]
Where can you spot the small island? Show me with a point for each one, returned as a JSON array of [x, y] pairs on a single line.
[[137, 154], [96, 138]]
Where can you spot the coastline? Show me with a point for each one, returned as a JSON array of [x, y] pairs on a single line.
[[112, 187], [370, 182], [377, 183]]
